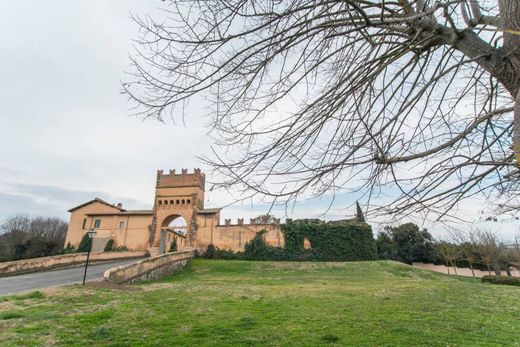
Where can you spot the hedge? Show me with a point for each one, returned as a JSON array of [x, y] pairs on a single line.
[[505, 280], [342, 241], [339, 241]]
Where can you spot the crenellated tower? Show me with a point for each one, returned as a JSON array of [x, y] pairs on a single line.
[[177, 195]]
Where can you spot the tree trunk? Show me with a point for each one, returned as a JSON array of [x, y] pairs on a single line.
[[472, 270], [516, 130], [510, 15], [497, 269]]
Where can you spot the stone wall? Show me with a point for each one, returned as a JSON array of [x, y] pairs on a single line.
[[10, 268], [152, 268], [466, 272]]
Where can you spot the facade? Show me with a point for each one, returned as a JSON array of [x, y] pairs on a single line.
[[178, 217]]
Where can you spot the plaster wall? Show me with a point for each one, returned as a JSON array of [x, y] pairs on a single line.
[[76, 230], [233, 236]]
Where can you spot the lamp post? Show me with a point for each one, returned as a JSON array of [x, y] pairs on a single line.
[[90, 234]]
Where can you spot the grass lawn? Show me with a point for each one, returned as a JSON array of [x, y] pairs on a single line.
[[236, 303]]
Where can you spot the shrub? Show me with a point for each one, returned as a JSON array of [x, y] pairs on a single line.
[[68, 250], [258, 249], [109, 247], [85, 244], [213, 252], [504, 280]]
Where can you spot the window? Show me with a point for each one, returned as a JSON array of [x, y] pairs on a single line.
[[84, 222], [171, 202], [97, 223], [177, 202], [188, 201], [121, 225], [160, 202], [183, 201]]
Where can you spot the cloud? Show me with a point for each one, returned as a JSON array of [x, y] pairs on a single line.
[[16, 199]]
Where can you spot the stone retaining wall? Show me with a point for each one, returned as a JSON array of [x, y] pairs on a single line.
[[152, 268], [10, 268], [466, 272]]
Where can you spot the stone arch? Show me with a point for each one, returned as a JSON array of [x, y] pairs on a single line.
[[166, 214]]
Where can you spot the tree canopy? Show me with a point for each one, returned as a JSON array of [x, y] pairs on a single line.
[[416, 98]]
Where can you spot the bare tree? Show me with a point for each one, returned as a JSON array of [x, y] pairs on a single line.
[[318, 96], [467, 245], [450, 253], [489, 249], [24, 237]]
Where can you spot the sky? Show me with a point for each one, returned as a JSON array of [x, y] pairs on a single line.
[[67, 134]]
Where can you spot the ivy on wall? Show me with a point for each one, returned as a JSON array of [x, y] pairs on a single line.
[[333, 241]]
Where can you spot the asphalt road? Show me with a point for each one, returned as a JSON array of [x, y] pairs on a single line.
[[44, 279]]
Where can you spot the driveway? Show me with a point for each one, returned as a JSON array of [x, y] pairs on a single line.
[[44, 279]]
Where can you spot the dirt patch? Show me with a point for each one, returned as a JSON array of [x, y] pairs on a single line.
[[297, 265], [110, 285]]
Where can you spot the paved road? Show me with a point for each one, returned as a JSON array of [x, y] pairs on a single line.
[[44, 279]]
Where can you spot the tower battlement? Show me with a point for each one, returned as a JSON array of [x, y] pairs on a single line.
[[172, 179]]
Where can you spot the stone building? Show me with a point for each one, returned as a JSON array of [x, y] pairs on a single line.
[[178, 217]]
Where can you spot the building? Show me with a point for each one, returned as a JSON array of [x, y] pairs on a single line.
[[178, 217]]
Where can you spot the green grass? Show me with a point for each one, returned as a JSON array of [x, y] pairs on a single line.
[[235, 303]]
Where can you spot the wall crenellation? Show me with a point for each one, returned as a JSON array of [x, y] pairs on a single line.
[[240, 221], [184, 179]]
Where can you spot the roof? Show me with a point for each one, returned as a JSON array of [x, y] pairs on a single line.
[[95, 200], [209, 210], [123, 213]]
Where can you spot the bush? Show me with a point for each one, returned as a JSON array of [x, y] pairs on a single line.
[[68, 250], [109, 247], [213, 252], [85, 244], [258, 249], [504, 280]]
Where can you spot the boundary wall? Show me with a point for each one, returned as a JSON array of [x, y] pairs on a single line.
[[18, 267], [460, 271], [148, 269]]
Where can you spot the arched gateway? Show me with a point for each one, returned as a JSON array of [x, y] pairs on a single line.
[[178, 219], [177, 196]]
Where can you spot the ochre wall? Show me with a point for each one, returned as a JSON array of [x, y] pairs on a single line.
[[134, 235], [75, 230], [234, 236], [203, 227]]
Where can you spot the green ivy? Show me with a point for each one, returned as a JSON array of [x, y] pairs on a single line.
[[340, 241]]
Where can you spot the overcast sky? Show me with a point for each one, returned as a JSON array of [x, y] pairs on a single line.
[[66, 134]]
